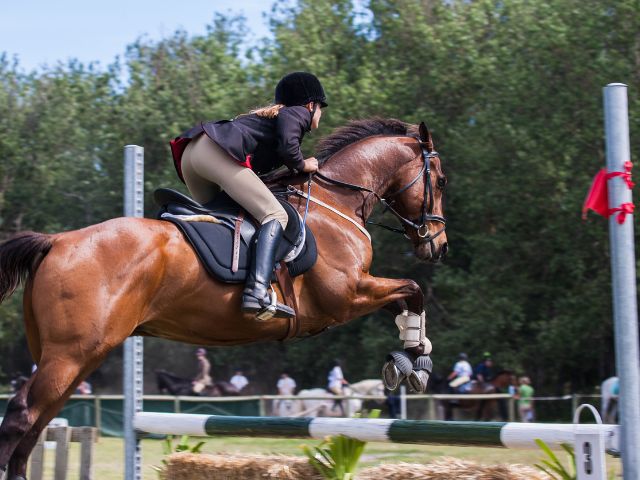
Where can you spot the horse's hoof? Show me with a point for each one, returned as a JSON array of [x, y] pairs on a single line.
[[391, 376], [417, 381], [397, 367], [423, 362], [418, 378]]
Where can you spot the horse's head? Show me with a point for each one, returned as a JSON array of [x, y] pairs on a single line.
[[162, 382], [504, 379], [404, 175], [419, 198]]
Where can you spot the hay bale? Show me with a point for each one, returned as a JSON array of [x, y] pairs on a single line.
[[447, 468], [189, 466]]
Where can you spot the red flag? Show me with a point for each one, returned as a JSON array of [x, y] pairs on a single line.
[[597, 198]]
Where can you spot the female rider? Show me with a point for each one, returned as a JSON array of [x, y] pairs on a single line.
[[229, 154]]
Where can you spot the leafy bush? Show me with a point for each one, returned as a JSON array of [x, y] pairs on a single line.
[[555, 468], [337, 457], [182, 446], [555, 465]]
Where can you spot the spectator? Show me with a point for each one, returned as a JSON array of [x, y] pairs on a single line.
[[286, 385], [393, 403], [336, 383], [525, 400], [336, 380], [203, 378], [84, 388], [239, 380], [484, 370], [460, 377], [18, 382]]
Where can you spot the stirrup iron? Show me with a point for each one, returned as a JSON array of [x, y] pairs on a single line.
[[269, 311], [275, 309]]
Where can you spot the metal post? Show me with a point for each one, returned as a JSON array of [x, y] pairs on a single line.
[[346, 406], [98, 414], [431, 409], [133, 353], [262, 406], [512, 409], [403, 402], [623, 273]]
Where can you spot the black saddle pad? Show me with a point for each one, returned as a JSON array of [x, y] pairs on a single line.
[[213, 242]]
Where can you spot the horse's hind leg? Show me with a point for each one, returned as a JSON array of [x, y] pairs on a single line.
[[46, 393], [14, 425]]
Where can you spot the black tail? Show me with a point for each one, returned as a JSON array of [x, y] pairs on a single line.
[[19, 259]]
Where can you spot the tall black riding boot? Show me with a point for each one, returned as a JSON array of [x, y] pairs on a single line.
[[256, 298]]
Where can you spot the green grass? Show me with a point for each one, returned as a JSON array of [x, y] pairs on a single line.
[[109, 454]]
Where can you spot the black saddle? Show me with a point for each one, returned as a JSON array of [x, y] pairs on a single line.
[[213, 242]]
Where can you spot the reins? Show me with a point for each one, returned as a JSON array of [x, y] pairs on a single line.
[[310, 198]]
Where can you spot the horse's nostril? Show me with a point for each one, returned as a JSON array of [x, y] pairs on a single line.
[[444, 249]]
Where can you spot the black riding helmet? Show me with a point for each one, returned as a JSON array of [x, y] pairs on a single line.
[[300, 88]]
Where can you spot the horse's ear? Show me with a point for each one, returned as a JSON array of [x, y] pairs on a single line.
[[425, 136]]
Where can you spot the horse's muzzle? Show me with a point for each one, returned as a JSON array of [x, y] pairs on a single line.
[[431, 251]]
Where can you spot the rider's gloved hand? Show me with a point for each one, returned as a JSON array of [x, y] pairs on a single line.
[[310, 165]]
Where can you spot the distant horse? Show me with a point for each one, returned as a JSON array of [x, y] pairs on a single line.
[[609, 408], [329, 407], [372, 386], [86, 291], [481, 409], [318, 402], [174, 385]]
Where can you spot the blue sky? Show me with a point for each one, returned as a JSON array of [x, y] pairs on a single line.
[[42, 32]]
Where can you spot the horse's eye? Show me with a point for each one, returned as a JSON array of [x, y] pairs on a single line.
[[442, 182]]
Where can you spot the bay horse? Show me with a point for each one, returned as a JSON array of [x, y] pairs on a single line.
[[86, 291], [481, 409], [171, 384]]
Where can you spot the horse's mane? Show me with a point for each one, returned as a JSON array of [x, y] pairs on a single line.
[[341, 137], [357, 130]]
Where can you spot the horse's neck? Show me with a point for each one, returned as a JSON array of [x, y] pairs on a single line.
[[370, 163], [170, 377], [366, 387]]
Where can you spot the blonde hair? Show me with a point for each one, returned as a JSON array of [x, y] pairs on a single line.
[[270, 111]]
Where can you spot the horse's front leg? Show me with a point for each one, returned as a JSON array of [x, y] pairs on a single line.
[[405, 299]]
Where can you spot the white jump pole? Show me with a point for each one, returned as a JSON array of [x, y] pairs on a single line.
[[133, 347], [623, 274]]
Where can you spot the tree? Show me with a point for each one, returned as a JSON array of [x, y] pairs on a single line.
[[511, 91]]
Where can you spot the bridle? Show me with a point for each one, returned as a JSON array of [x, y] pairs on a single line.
[[420, 225]]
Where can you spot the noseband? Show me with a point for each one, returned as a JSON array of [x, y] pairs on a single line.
[[420, 225]]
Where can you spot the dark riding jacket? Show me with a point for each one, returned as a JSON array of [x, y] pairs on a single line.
[[259, 143]]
